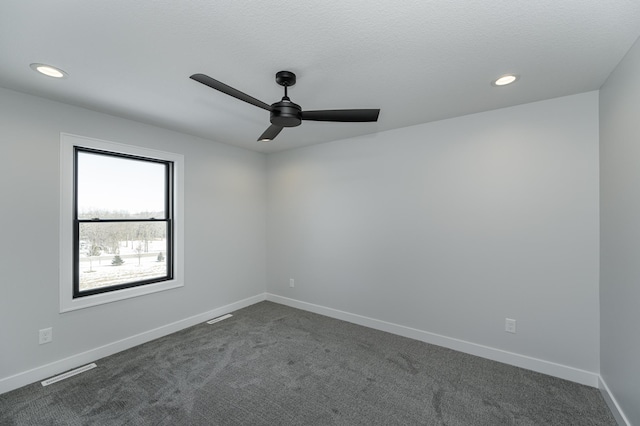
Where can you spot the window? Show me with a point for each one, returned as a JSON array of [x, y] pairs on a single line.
[[121, 221]]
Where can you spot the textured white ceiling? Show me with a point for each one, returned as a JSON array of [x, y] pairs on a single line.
[[418, 61]]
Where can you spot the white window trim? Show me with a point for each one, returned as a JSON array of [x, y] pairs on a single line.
[[67, 143]]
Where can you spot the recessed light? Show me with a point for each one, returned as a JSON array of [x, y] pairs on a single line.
[[48, 70], [505, 79]]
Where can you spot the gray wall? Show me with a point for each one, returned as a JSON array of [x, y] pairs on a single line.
[[224, 232], [620, 233], [449, 227]]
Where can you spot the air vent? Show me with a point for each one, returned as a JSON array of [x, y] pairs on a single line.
[[215, 320], [68, 374]]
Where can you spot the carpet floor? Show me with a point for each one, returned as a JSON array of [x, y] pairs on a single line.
[[274, 365]]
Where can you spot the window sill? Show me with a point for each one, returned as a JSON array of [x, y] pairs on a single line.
[[67, 303]]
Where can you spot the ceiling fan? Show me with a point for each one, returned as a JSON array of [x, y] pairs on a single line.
[[286, 113]]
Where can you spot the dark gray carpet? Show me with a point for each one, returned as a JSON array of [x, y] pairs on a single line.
[[273, 365]]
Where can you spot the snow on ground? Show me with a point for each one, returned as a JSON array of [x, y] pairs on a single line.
[[99, 272]]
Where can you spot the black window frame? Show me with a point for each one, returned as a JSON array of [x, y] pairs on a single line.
[[168, 219]]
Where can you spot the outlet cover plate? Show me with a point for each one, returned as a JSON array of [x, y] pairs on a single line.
[[510, 325], [45, 335]]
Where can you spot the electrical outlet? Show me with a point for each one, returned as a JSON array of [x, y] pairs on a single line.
[[45, 335], [510, 325], [291, 283]]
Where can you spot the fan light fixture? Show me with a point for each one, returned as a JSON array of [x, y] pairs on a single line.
[[49, 70], [505, 79]]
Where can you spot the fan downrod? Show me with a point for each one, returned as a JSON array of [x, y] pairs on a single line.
[[285, 113]]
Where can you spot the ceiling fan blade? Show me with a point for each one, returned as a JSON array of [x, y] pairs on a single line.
[[270, 133], [215, 84], [347, 115]]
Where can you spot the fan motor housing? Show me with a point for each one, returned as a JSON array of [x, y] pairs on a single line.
[[286, 114]]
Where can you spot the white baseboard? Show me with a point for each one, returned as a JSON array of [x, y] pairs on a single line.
[[39, 373], [546, 367], [557, 370], [612, 403]]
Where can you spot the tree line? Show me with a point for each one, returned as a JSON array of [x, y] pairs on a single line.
[[107, 237]]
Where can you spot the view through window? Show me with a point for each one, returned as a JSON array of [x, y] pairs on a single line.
[[123, 221]]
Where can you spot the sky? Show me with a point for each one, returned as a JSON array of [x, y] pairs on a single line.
[[115, 183]]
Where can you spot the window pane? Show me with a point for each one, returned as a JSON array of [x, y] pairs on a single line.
[[121, 252], [111, 187]]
